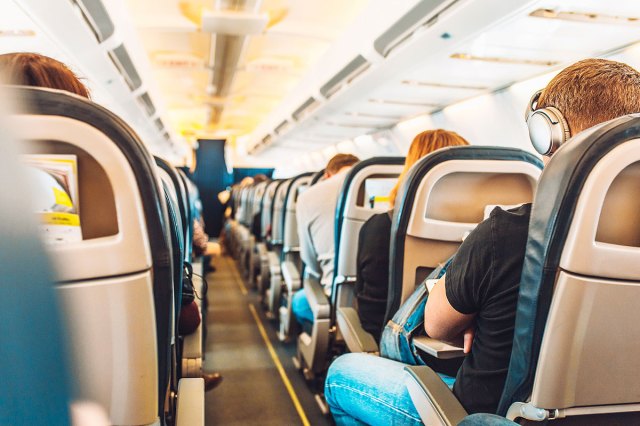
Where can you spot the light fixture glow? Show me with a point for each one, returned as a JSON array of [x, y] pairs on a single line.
[[441, 85], [501, 60], [587, 17]]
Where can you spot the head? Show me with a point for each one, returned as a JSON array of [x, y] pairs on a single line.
[[260, 178], [591, 92], [338, 163], [425, 143], [32, 69]]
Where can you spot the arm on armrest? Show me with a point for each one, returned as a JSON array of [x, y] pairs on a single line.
[[290, 275], [432, 398], [317, 299], [356, 338], [437, 348], [190, 410]]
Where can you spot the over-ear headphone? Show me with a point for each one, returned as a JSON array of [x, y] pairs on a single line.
[[547, 127]]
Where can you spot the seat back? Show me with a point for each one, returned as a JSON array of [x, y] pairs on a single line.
[[256, 209], [317, 177], [291, 242], [267, 206], [578, 321], [34, 370], [192, 197], [442, 199], [277, 217], [115, 285], [371, 177]]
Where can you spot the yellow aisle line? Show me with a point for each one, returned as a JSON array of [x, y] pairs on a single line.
[[276, 361], [238, 279]]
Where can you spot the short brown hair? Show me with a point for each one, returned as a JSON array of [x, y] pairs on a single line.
[[593, 91], [339, 161], [33, 69], [425, 143]]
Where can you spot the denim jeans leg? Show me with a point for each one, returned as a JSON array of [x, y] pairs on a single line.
[[301, 309], [366, 389], [486, 420]]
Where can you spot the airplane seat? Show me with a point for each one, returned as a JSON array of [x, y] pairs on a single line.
[[115, 285], [372, 177], [255, 238], [263, 248], [189, 201], [35, 372], [291, 264], [274, 255], [317, 177], [442, 198], [573, 359]]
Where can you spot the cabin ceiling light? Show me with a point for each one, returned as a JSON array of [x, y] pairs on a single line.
[[495, 59], [595, 18], [368, 115], [441, 85], [17, 33], [404, 103], [350, 125]]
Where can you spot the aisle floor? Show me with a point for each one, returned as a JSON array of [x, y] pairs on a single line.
[[254, 391]]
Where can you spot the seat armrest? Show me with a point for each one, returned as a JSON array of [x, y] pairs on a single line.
[[356, 338], [433, 399], [274, 263], [318, 301], [437, 348], [192, 344], [190, 411], [290, 275]]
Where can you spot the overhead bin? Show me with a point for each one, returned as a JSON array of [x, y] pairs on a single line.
[[97, 17], [423, 15], [346, 75]]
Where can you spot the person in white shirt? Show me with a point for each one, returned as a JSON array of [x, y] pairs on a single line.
[[315, 213]]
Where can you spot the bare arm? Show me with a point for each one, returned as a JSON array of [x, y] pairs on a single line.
[[443, 322]]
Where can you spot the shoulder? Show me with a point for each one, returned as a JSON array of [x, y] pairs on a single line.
[[505, 221], [378, 221]]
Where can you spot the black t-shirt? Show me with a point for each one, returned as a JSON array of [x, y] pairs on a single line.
[[372, 279], [484, 279]]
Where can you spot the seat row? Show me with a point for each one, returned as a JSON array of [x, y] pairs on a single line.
[[121, 287], [578, 288]]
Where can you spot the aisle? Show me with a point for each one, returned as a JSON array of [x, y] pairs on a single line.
[[253, 392]]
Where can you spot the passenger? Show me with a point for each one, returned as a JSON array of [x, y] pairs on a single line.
[[372, 279], [33, 69], [315, 213], [475, 302]]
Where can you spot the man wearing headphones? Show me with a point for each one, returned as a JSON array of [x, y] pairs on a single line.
[[475, 302]]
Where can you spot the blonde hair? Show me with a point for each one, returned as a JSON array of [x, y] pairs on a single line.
[[425, 143], [593, 91]]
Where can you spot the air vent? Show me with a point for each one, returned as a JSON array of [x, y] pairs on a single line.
[[96, 16], [353, 69], [282, 127], [422, 15], [121, 59], [306, 108], [159, 124], [147, 103], [266, 140], [167, 136]]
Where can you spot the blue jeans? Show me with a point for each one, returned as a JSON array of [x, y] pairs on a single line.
[[485, 420], [364, 389], [301, 309]]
